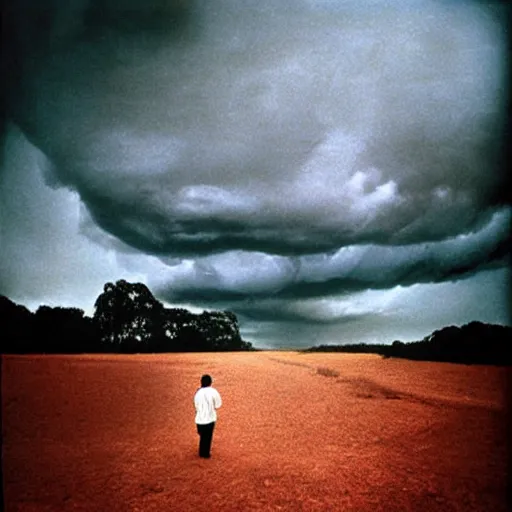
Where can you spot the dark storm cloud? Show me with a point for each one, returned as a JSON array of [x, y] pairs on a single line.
[[171, 19], [235, 276], [271, 150], [286, 312], [233, 131]]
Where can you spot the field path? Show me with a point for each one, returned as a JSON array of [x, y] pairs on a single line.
[[308, 432]]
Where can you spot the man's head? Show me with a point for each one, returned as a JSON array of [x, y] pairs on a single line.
[[206, 381]]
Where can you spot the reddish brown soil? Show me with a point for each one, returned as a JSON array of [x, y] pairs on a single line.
[[296, 432]]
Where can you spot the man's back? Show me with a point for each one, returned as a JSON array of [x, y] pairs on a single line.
[[206, 400]]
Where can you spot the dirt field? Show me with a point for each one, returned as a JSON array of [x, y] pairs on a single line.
[[296, 432]]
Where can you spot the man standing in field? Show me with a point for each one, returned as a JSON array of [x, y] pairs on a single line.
[[206, 400]]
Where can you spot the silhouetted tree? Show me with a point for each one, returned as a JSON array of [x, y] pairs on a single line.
[[473, 343], [208, 331], [63, 330], [128, 317], [16, 327]]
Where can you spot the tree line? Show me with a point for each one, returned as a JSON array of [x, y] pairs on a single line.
[[472, 343], [127, 319]]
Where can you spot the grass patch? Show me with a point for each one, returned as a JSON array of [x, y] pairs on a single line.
[[327, 372]]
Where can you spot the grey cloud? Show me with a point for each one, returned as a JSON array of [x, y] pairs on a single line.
[[236, 276], [311, 314], [192, 128], [171, 18]]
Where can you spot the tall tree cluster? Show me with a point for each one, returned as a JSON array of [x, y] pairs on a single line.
[[127, 319]]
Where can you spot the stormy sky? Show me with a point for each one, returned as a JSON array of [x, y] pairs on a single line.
[[330, 171]]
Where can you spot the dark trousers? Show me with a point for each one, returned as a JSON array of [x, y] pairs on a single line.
[[205, 439]]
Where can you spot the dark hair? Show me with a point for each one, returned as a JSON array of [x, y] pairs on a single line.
[[206, 381]]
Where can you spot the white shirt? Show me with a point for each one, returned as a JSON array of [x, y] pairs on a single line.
[[206, 400]]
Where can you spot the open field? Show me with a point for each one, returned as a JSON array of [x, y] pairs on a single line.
[[296, 432]]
